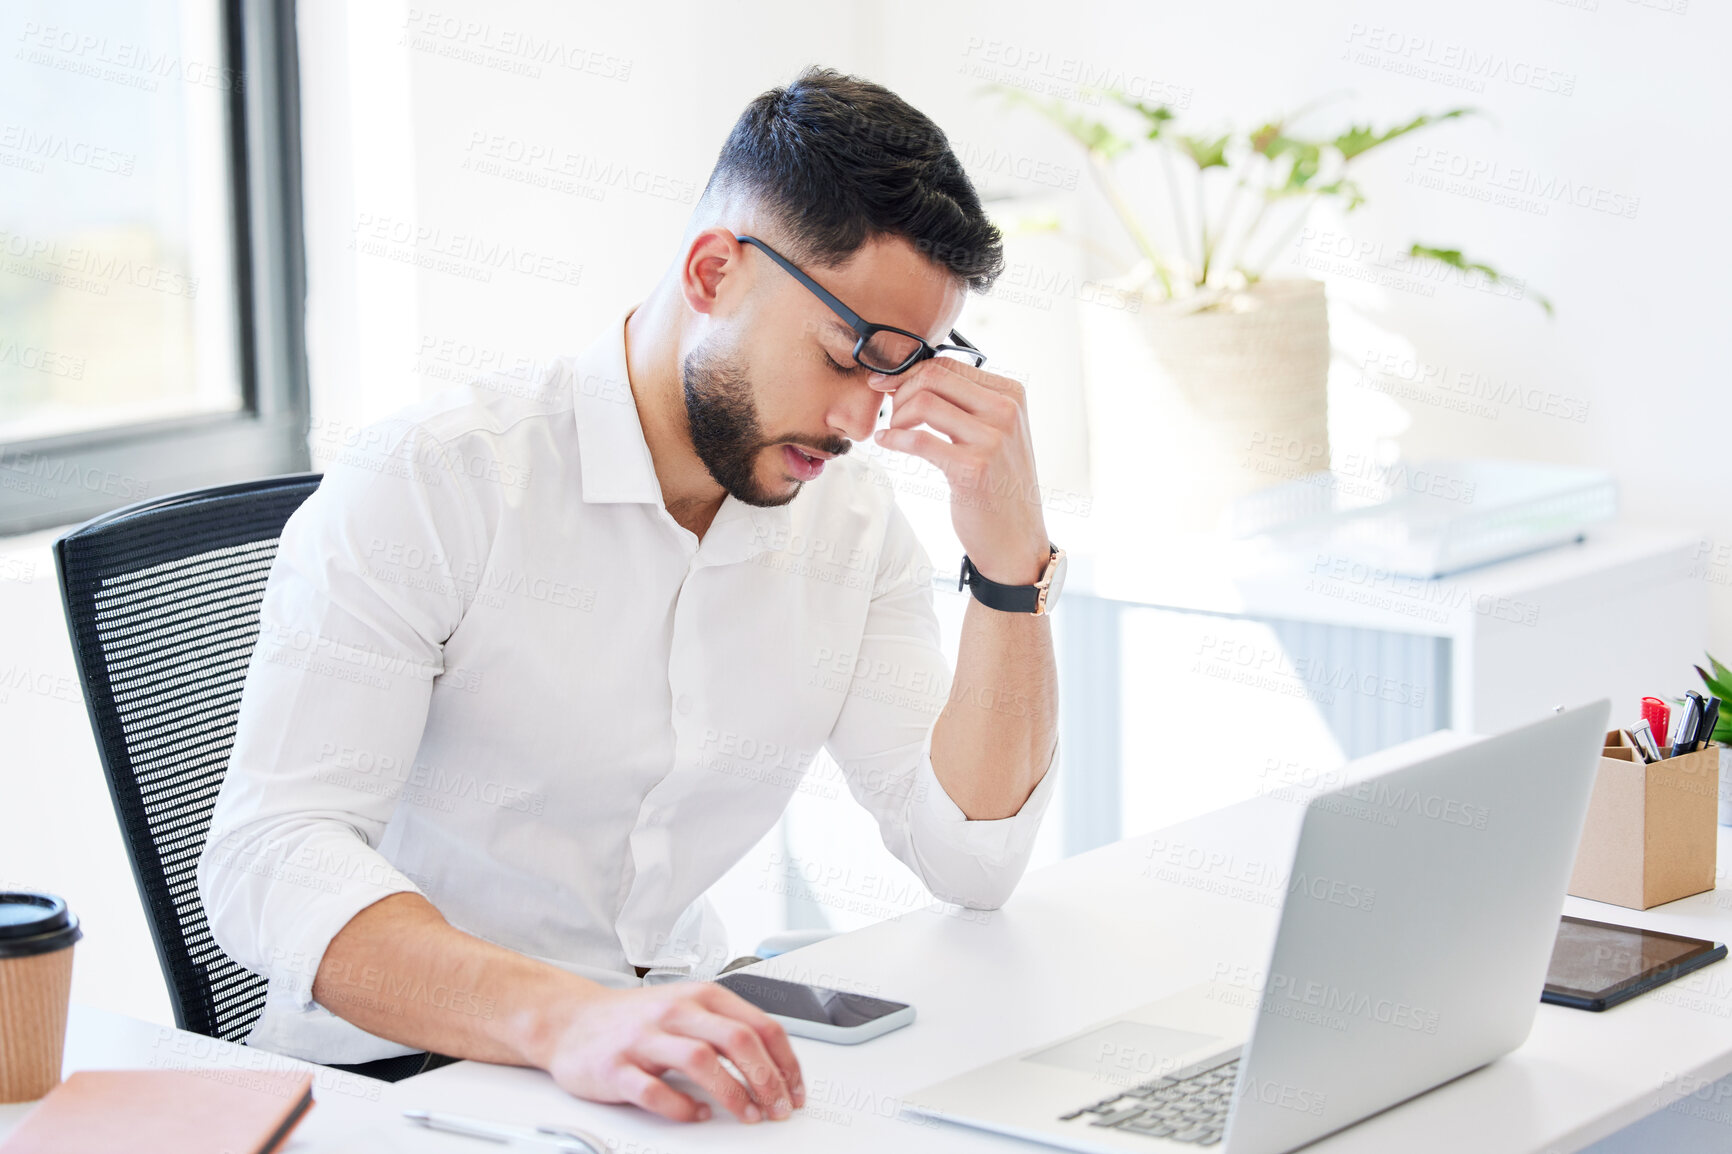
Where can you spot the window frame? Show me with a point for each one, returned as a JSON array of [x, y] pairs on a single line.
[[94, 471]]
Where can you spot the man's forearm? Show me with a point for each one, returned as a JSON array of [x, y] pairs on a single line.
[[399, 970], [996, 735]]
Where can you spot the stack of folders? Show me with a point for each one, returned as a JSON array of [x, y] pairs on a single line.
[[1428, 519], [165, 1112]]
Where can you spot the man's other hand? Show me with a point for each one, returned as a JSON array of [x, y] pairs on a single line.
[[614, 1045]]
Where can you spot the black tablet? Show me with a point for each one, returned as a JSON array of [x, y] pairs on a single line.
[[1596, 964]]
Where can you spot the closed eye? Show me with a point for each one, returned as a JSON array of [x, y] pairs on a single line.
[[843, 369]]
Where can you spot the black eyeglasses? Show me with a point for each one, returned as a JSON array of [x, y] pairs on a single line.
[[877, 348]]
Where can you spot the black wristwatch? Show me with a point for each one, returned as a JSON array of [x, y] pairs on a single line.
[[1038, 598]]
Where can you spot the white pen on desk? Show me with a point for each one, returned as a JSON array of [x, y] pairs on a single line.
[[561, 1140]]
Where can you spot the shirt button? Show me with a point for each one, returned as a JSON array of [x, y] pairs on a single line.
[[684, 705]]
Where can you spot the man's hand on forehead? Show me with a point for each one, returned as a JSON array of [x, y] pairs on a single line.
[[976, 432]]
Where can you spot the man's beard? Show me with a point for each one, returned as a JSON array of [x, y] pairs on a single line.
[[725, 432]]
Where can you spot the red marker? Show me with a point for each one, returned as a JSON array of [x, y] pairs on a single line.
[[1658, 717]]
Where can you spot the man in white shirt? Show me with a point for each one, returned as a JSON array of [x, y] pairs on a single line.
[[537, 665]]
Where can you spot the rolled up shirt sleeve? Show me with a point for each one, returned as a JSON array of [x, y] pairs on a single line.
[[362, 594], [883, 736]]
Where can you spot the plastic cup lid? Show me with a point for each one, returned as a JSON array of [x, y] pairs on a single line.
[[35, 924]]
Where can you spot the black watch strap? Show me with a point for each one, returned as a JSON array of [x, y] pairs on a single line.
[[1004, 598]]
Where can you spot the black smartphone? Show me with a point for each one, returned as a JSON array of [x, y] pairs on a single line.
[[818, 1011]]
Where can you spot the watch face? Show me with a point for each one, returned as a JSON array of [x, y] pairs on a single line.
[[1057, 583]]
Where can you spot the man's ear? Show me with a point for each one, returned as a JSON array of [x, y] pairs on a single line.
[[711, 261]]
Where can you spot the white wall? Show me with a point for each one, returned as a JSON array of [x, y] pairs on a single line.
[[459, 139]]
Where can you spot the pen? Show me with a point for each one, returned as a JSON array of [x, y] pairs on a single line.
[[1710, 718], [563, 1140], [1642, 740], [1689, 719]]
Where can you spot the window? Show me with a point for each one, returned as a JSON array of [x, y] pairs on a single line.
[[151, 273]]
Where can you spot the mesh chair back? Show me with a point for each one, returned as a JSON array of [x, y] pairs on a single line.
[[162, 600]]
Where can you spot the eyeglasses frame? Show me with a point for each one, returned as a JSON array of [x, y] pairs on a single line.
[[863, 329]]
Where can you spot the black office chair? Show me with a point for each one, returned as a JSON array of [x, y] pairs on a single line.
[[162, 601]]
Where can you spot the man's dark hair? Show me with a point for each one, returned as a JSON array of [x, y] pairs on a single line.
[[836, 161]]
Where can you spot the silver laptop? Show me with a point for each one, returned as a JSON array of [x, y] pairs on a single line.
[[1414, 938]]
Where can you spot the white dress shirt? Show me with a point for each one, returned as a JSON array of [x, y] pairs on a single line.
[[493, 670]]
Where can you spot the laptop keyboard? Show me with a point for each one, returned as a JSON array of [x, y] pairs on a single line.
[[1190, 1106]]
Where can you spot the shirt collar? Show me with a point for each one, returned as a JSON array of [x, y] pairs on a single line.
[[741, 531], [616, 462], [614, 455]]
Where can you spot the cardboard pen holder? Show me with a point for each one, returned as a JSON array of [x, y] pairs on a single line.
[[1651, 828]]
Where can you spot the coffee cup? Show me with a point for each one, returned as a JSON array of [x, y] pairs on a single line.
[[36, 936]]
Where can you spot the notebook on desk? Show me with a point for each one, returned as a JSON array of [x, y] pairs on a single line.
[[165, 1112]]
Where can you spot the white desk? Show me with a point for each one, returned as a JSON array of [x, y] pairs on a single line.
[[1053, 960]]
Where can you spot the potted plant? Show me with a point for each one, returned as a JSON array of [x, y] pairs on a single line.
[[1719, 683], [1230, 364]]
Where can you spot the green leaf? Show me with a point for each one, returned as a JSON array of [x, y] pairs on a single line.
[[1093, 135], [1205, 152], [1720, 671], [1273, 141], [1360, 139], [1156, 115], [1453, 258], [1720, 687], [1342, 187], [1307, 158]]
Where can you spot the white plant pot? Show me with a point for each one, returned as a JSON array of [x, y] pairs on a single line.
[[1190, 409]]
